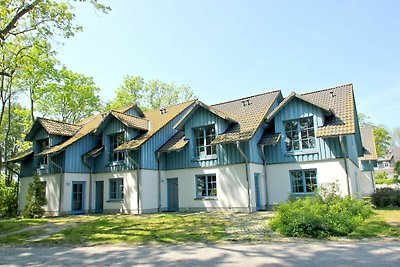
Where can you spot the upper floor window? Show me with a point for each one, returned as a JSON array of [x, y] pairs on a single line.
[[43, 145], [300, 134], [203, 138], [303, 181], [115, 141]]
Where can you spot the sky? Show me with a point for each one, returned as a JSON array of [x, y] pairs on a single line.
[[231, 49]]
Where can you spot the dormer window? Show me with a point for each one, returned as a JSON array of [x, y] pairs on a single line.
[[115, 141], [163, 111], [300, 134], [203, 138], [43, 145]]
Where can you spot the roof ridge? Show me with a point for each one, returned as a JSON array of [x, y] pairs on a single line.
[[155, 109], [242, 98], [327, 89], [63, 122], [129, 115]]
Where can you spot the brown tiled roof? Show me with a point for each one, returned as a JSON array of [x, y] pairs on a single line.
[[86, 129], [94, 152], [270, 139], [176, 143], [125, 109], [198, 104], [249, 116], [368, 140], [157, 121], [131, 121], [341, 100], [21, 156], [53, 127]]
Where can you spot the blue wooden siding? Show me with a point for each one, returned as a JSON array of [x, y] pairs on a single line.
[[367, 165], [326, 148], [351, 146], [133, 112], [73, 154], [27, 168], [55, 139], [226, 154], [102, 162]]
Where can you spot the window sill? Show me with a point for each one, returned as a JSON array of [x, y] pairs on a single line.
[[211, 157], [206, 198], [115, 200], [302, 152]]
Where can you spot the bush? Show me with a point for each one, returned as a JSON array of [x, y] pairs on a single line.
[[382, 178], [8, 198], [386, 197], [36, 198], [326, 214]]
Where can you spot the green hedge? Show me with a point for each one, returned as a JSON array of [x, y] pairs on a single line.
[[386, 197], [326, 214]]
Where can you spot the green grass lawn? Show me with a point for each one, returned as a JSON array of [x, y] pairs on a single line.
[[167, 228]]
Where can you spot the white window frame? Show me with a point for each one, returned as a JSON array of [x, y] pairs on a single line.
[[299, 131], [202, 140], [304, 179], [119, 189], [208, 186]]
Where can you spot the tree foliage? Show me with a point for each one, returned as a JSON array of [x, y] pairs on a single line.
[[8, 198], [382, 140], [36, 199], [396, 137], [70, 97], [149, 95]]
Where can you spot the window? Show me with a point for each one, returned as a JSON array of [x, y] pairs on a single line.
[[116, 189], [206, 186], [300, 134], [115, 141], [386, 164], [303, 181], [43, 145], [203, 138]]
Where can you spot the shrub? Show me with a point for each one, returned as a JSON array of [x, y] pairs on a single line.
[[386, 197], [8, 198], [323, 215], [36, 198]]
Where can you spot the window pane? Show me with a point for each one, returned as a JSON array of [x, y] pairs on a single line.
[[201, 187], [203, 138]]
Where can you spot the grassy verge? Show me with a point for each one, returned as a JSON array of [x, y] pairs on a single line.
[[384, 223], [13, 225], [144, 229]]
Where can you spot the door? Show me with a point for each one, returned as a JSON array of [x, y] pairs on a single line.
[[99, 196], [258, 191], [172, 194], [78, 203]]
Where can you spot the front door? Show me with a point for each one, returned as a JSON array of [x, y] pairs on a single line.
[[99, 196], [172, 194], [78, 203], [258, 191]]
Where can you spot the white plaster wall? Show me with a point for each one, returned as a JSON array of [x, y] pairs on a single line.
[[52, 192], [149, 190], [231, 188], [69, 178], [278, 177], [257, 168], [129, 203], [367, 183], [354, 174]]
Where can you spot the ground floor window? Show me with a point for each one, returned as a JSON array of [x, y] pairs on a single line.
[[116, 189], [206, 186], [303, 181]]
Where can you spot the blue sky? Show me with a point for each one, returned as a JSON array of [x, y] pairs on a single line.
[[230, 49]]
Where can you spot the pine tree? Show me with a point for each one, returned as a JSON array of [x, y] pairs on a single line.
[[36, 198]]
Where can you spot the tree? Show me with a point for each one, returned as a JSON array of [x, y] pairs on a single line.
[[149, 95], [397, 168], [396, 137], [36, 199], [363, 120], [8, 198], [382, 140], [70, 97]]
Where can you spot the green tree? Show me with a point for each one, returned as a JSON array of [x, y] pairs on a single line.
[[382, 140], [36, 199], [363, 120], [70, 97], [396, 137], [149, 95], [8, 198], [397, 168]]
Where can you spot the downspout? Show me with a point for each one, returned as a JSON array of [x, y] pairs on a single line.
[[265, 174], [372, 177], [342, 146], [247, 174], [90, 181], [137, 180], [61, 183], [158, 156]]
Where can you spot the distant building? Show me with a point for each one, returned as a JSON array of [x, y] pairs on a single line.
[[368, 161], [388, 163]]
